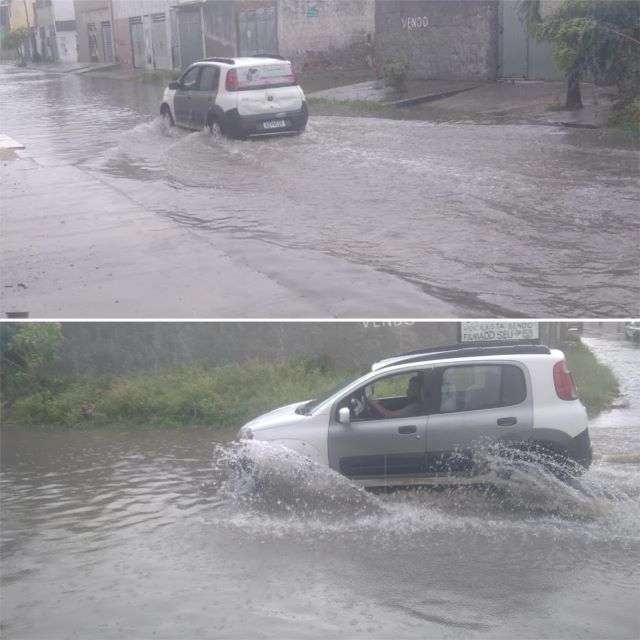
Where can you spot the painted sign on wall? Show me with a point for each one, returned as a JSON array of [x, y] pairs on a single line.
[[507, 330], [419, 22]]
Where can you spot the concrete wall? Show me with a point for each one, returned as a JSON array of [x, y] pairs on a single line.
[[326, 34], [442, 39], [112, 347]]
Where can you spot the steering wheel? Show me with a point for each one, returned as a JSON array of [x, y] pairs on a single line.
[[358, 406], [372, 412]]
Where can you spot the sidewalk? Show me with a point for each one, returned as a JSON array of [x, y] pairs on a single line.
[[532, 101], [99, 69]]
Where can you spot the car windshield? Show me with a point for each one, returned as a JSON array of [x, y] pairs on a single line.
[[307, 408]]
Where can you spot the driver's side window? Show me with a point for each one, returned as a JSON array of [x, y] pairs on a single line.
[[399, 395], [189, 80]]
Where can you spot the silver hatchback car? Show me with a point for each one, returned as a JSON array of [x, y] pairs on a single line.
[[426, 417], [238, 97]]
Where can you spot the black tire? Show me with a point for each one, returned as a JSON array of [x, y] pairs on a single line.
[[214, 128], [165, 112]]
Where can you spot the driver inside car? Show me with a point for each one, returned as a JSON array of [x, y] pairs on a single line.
[[413, 407]]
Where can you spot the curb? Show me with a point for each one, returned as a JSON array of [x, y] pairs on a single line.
[[9, 144], [431, 97]]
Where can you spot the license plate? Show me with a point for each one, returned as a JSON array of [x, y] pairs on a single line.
[[274, 124]]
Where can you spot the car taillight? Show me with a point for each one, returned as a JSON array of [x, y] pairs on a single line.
[[231, 81], [565, 387], [293, 76]]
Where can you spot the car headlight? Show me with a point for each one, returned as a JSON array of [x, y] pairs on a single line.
[[245, 434]]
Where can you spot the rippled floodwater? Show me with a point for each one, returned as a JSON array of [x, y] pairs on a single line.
[[508, 220], [143, 533]]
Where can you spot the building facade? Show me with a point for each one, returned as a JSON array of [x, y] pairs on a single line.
[[94, 20], [143, 35], [55, 29], [441, 39]]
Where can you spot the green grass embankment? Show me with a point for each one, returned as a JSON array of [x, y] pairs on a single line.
[[221, 396]]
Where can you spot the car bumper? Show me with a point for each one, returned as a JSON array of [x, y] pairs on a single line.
[[580, 450], [239, 126]]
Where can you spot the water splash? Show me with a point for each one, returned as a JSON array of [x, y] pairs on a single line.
[[276, 479], [272, 490]]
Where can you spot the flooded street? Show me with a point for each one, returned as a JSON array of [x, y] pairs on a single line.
[[448, 219], [111, 533]]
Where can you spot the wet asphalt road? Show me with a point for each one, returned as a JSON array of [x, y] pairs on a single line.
[[137, 533], [453, 219]]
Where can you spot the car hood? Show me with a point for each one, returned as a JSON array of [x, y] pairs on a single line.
[[281, 417]]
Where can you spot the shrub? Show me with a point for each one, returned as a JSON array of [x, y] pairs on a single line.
[[597, 386], [395, 73], [628, 118]]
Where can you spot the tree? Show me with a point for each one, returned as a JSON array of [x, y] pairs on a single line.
[[597, 38], [15, 41], [38, 343], [25, 348]]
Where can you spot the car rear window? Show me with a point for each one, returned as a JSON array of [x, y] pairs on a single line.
[[467, 388], [277, 74]]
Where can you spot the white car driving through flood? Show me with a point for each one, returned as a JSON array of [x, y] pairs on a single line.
[[427, 416], [238, 97]]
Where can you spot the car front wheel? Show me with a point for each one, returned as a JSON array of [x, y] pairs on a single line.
[[165, 112]]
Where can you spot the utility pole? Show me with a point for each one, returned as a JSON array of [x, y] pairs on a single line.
[[32, 36]]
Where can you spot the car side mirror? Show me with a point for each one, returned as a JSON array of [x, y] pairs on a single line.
[[174, 85], [344, 415]]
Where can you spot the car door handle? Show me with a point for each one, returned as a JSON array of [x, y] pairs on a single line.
[[410, 428], [507, 422]]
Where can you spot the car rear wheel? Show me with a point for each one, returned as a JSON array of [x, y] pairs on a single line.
[[215, 128]]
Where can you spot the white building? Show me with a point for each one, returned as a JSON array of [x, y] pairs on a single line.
[[143, 33], [55, 27]]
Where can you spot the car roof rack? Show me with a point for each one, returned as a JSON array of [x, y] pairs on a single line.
[[275, 56], [222, 60], [459, 350]]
